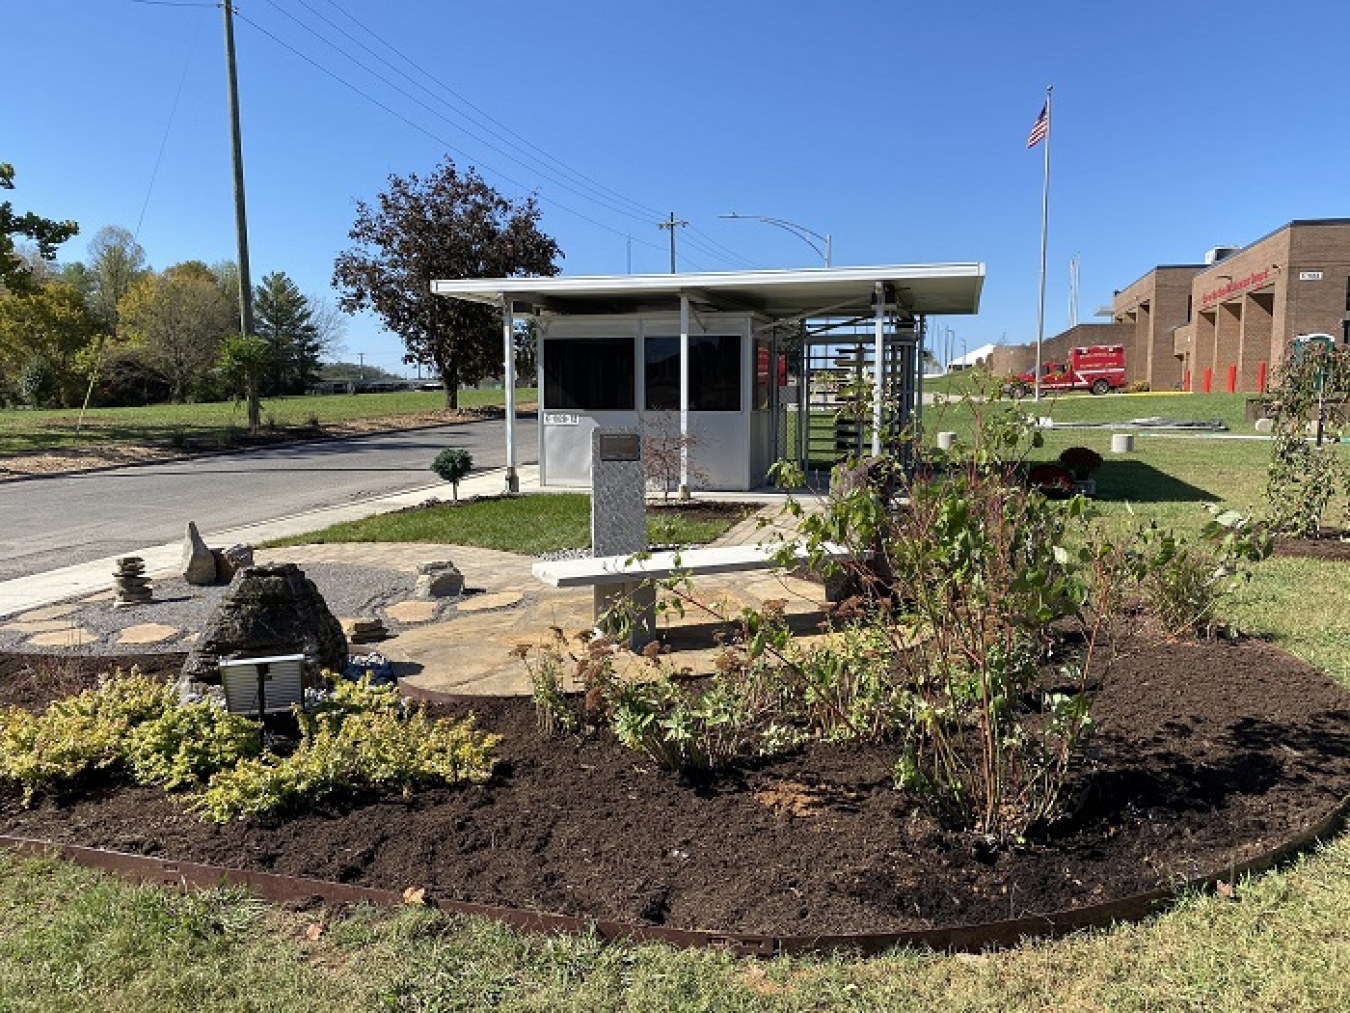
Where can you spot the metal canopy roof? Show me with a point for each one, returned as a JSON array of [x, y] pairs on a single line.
[[914, 289]]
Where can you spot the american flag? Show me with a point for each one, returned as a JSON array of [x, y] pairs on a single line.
[[1041, 127]]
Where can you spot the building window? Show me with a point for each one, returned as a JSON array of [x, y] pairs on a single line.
[[589, 374], [714, 373]]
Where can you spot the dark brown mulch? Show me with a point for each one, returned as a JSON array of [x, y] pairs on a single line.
[[1208, 753], [1331, 544]]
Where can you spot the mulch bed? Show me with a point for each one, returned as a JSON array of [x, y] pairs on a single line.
[[1331, 545], [1208, 753]]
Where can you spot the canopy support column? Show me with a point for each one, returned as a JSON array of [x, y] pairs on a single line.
[[684, 396], [509, 374], [878, 368]]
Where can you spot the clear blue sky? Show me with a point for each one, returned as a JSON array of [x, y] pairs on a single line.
[[897, 128]]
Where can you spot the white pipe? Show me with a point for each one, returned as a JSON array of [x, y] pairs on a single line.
[[508, 340], [878, 368], [684, 396]]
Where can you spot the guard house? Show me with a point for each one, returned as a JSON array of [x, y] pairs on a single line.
[[734, 370]]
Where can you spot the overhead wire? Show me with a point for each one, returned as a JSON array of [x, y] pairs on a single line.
[[482, 118]]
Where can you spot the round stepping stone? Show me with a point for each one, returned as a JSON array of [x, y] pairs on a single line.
[[46, 612], [147, 633], [40, 626], [483, 602], [413, 611], [70, 637]]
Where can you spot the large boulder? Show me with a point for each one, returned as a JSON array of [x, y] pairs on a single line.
[[267, 610], [199, 566]]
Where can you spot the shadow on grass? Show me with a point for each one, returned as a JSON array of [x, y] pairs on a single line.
[[1138, 482]]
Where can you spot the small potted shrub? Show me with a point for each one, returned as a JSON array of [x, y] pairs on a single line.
[[452, 464], [1081, 463], [1054, 480]]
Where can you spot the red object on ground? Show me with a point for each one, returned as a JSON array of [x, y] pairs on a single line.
[[1232, 379], [1261, 377], [1208, 380]]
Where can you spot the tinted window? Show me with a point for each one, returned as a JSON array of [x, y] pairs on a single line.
[[589, 374], [714, 372]]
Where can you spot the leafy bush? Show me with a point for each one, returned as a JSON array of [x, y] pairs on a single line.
[[1081, 461], [78, 735], [1303, 477], [188, 743], [452, 464], [374, 748]]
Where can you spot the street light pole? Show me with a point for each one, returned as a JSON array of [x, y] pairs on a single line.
[[800, 231]]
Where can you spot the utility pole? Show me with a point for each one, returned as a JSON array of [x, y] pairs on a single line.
[[240, 217], [672, 225], [361, 370]]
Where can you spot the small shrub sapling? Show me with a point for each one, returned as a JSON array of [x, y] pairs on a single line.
[[452, 464]]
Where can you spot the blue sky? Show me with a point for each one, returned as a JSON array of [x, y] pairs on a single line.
[[897, 128]]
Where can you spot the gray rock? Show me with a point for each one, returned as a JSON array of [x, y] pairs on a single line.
[[199, 566], [230, 561], [438, 580], [268, 610]]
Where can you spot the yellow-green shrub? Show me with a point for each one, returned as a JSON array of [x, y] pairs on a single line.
[[78, 734], [188, 743]]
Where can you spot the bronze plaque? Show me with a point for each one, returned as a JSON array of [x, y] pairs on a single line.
[[620, 447]]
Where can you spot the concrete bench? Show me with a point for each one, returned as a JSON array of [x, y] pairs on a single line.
[[620, 580]]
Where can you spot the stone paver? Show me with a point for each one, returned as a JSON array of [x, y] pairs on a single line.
[[76, 636], [148, 633], [484, 602], [413, 611], [39, 626], [45, 613]]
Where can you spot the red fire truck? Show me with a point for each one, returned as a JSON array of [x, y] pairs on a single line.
[[1098, 368]]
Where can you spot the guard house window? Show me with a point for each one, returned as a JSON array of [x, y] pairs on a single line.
[[714, 373], [589, 374]]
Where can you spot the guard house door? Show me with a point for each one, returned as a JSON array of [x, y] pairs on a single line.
[[827, 415]]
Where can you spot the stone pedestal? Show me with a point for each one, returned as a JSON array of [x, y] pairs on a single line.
[[438, 580]]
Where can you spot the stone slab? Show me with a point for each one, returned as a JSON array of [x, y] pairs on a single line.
[[76, 637], [413, 611], [483, 602], [46, 612], [43, 626], [148, 633]]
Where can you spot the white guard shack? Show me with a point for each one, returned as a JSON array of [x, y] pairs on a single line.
[[733, 366]]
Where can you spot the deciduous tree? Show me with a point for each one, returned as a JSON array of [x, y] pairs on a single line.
[[180, 317], [43, 329], [450, 225], [44, 233]]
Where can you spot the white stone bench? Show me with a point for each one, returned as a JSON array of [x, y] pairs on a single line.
[[629, 582]]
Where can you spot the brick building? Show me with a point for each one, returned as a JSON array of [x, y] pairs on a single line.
[[1150, 310], [1251, 304]]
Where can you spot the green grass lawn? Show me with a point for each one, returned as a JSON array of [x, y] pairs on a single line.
[[25, 431], [77, 940], [530, 525]]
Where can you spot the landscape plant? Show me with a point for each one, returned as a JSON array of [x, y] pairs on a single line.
[[1307, 410], [452, 464]]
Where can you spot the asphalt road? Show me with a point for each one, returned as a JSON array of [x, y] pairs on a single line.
[[46, 523]]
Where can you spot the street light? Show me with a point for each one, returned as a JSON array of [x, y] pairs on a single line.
[[800, 231]]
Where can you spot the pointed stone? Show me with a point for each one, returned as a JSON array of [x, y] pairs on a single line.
[[199, 565]]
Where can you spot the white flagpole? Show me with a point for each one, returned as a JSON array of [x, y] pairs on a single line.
[[1045, 218]]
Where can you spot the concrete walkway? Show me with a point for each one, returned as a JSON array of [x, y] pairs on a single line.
[[475, 647]]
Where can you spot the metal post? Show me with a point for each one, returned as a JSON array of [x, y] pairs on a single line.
[[878, 368], [240, 216], [1045, 219], [508, 340], [684, 395]]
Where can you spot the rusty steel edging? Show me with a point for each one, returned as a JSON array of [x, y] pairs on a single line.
[[956, 938]]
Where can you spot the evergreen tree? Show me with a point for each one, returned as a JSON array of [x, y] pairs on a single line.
[[284, 319]]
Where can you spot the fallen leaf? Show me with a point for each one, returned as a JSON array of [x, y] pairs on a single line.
[[314, 931], [1225, 890], [414, 895]]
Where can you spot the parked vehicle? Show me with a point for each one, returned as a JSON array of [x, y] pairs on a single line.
[[1098, 368]]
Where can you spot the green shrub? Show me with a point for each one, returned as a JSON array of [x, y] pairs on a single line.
[[452, 464], [78, 735], [374, 748], [187, 744]]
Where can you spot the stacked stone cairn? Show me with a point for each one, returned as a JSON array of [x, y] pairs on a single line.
[[130, 584]]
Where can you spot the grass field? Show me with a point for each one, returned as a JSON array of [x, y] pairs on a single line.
[[24, 431], [78, 941]]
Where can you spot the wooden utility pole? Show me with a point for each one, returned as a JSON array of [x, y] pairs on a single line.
[[672, 225], [240, 216]]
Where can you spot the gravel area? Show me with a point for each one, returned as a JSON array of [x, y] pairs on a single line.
[[348, 590]]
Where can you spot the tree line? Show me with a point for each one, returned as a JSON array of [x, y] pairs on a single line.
[[112, 330]]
